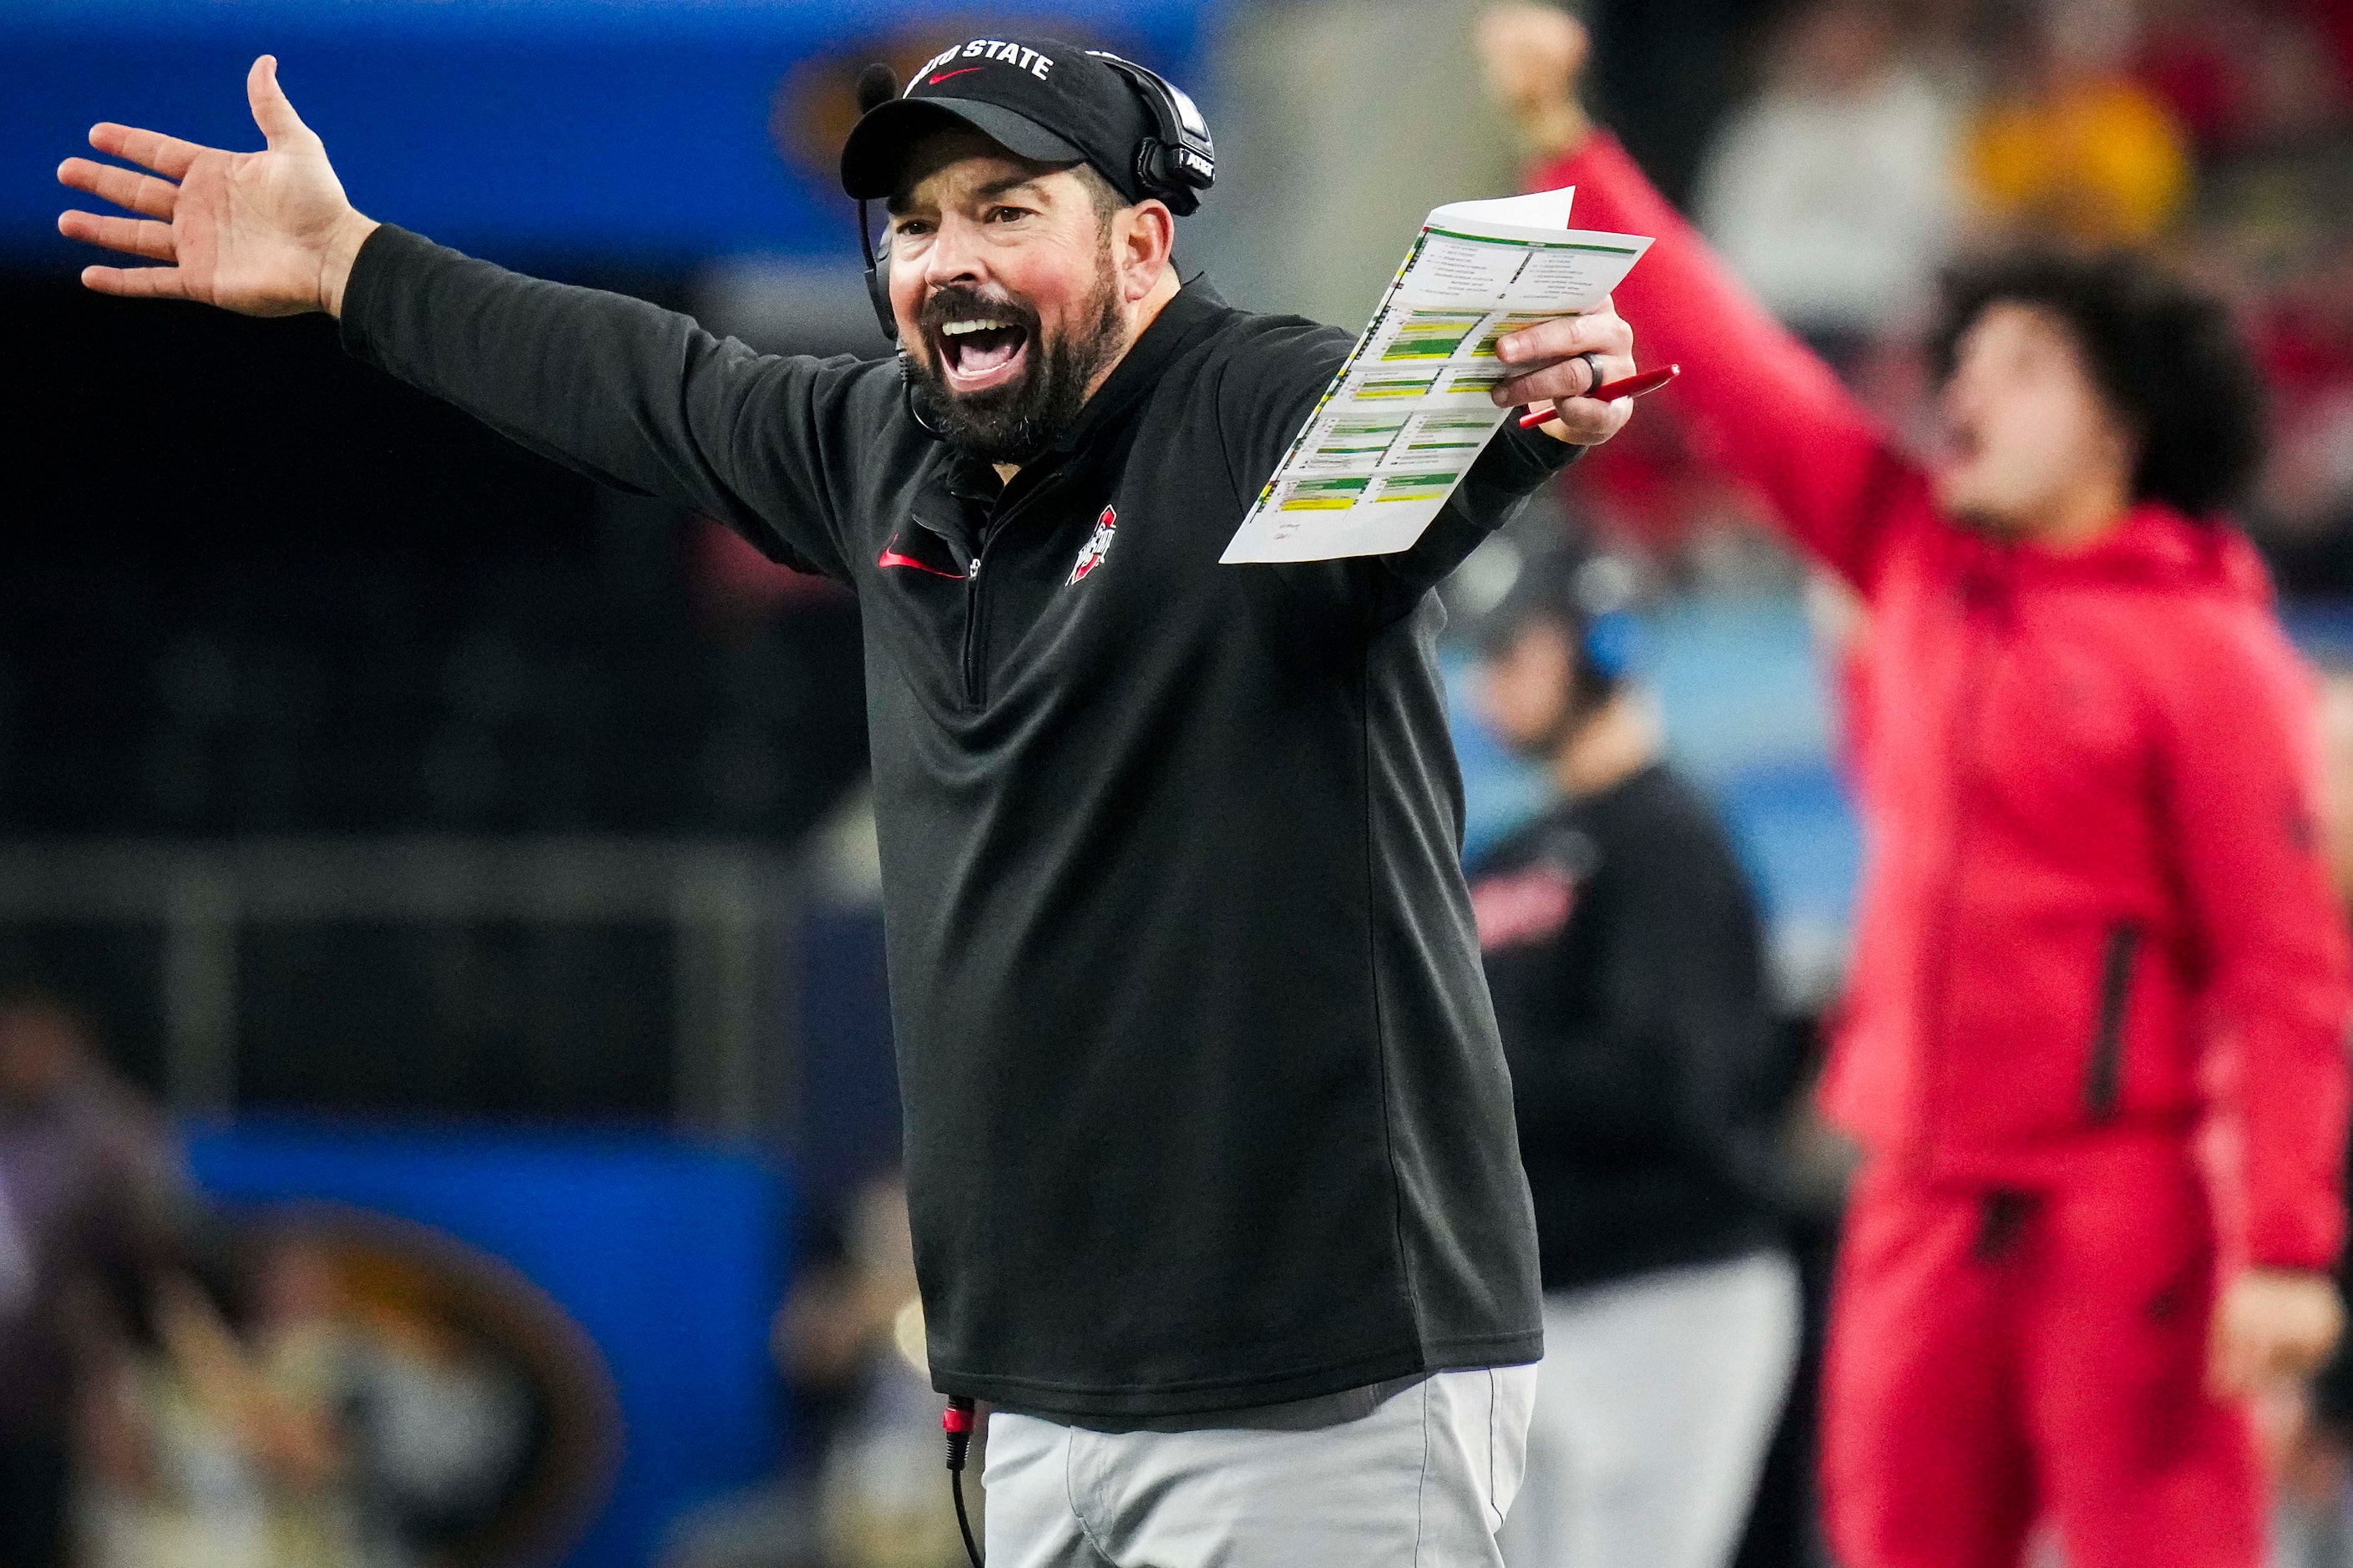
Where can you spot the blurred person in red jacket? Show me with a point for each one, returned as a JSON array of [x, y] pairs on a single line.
[[2094, 1046]]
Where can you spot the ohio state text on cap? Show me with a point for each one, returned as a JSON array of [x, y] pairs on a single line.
[[1038, 99]]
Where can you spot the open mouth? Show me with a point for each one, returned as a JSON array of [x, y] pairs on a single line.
[[1959, 447], [981, 353]]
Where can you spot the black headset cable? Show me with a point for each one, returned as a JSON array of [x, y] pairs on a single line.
[[956, 1422]]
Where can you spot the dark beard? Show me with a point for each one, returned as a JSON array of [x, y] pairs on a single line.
[[1013, 424]]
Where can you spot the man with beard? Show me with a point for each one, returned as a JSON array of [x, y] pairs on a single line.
[[1208, 1141], [2094, 1043]]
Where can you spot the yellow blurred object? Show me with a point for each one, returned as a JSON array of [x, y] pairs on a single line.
[[2097, 160]]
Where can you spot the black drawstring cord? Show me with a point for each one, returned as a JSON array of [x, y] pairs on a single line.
[[956, 1422]]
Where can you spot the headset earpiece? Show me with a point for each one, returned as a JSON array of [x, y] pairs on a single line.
[[1604, 590], [877, 275], [878, 84], [1178, 161], [1612, 641]]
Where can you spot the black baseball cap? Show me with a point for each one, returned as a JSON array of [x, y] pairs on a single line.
[[1040, 98]]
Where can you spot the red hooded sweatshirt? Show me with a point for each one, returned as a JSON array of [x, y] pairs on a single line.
[[2096, 916]]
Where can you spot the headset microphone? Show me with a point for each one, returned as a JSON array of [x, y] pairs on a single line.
[[878, 84]]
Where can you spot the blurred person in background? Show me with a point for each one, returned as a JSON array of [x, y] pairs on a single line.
[[1209, 1151], [2304, 503], [849, 1339], [437, 1417], [857, 1330], [1834, 194], [2308, 1429], [221, 1444], [282, 1401], [2248, 75], [90, 1184], [2093, 1045], [2067, 144], [1626, 959]]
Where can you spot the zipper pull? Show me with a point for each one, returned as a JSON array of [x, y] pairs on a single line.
[[972, 572]]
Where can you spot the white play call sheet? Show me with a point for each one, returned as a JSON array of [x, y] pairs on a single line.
[[1409, 410]]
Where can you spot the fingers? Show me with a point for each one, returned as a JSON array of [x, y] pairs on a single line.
[[124, 187], [1546, 362], [1563, 379], [2240, 1363], [2298, 1354], [2241, 1371], [136, 282], [136, 237], [1552, 340], [2226, 1347], [2229, 1375], [1601, 331], [2272, 1327], [167, 155], [271, 109], [1582, 422]]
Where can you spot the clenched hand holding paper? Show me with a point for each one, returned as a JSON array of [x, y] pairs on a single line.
[[1409, 409]]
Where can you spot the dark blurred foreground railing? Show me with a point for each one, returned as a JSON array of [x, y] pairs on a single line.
[[636, 977]]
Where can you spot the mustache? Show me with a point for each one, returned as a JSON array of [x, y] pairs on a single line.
[[958, 303]]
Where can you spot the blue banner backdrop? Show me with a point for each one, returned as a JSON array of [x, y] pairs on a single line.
[[648, 133], [670, 1257]]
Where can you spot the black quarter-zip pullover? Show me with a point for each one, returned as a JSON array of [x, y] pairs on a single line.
[[1204, 1107]]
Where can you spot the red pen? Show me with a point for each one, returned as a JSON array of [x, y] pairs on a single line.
[[1634, 385]]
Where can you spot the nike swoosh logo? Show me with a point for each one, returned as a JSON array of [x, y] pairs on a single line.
[[939, 76], [890, 557]]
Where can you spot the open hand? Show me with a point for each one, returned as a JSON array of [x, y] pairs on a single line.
[[264, 234], [1546, 362], [2271, 1326]]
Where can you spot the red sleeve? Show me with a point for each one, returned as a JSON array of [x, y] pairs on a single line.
[[1775, 412], [2241, 758]]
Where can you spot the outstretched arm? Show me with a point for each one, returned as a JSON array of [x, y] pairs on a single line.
[[1777, 417], [632, 396]]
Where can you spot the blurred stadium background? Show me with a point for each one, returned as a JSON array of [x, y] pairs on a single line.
[[475, 866]]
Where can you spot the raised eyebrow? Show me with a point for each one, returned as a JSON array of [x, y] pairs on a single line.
[[1005, 186], [898, 206]]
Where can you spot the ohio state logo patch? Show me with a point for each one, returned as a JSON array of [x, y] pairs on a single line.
[[1097, 546]]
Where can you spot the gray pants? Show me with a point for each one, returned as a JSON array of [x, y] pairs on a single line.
[[1418, 1473], [1655, 1403]]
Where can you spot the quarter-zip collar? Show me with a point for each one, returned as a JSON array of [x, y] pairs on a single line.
[[1190, 314], [970, 506]]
